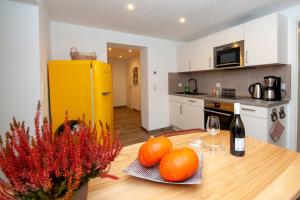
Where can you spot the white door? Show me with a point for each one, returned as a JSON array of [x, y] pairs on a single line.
[[136, 101], [134, 97]]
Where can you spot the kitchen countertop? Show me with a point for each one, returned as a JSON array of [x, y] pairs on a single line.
[[265, 172], [245, 101]]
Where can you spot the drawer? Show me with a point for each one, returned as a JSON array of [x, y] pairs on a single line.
[[187, 100], [254, 111]]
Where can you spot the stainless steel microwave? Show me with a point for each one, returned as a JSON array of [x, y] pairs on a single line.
[[229, 55]]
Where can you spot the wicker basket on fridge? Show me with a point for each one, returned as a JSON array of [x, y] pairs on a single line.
[[76, 55]]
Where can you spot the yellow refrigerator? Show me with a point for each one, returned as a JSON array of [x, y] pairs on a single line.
[[80, 87]]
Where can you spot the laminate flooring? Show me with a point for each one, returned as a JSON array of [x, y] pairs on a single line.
[[129, 124]]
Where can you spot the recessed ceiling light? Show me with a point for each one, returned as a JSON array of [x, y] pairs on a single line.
[[109, 49], [182, 20], [120, 56], [130, 6], [129, 50]]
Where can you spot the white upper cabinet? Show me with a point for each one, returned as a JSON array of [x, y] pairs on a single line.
[[202, 54], [184, 57], [266, 40], [228, 36], [198, 55]]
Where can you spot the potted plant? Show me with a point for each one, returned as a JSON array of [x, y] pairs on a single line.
[[47, 166]]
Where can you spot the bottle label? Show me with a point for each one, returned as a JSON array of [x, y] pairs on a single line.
[[239, 144]]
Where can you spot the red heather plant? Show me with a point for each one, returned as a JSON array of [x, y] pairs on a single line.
[[51, 166]]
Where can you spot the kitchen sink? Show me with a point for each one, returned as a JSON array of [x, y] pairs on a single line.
[[191, 93]]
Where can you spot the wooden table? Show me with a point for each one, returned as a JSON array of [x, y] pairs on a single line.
[[265, 172]]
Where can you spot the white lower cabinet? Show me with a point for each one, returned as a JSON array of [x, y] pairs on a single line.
[[258, 123], [256, 127], [186, 113]]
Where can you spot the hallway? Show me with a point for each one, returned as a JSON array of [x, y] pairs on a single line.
[[129, 123]]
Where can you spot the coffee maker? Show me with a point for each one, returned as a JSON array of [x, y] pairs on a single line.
[[272, 91]]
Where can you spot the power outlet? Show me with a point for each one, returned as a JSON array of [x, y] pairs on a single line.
[[180, 85]]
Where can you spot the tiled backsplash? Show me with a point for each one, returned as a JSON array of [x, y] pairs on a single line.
[[240, 79]]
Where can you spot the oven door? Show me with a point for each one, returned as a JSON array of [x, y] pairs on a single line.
[[225, 117], [228, 57]]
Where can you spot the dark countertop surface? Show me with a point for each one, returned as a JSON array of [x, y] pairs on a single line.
[[244, 100]]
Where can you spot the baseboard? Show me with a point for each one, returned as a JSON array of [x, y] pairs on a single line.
[[160, 130], [136, 110], [120, 106], [144, 129]]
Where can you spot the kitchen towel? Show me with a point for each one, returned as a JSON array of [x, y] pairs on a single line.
[[277, 130]]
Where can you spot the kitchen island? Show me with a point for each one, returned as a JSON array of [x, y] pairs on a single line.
[[265, 172]]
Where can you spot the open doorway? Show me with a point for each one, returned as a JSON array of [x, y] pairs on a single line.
[[126, 73]]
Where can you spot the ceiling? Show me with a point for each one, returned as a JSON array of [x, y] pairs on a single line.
[[159, 18], [121, 52]]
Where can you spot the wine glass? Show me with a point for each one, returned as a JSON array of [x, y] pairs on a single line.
[[213, 128]]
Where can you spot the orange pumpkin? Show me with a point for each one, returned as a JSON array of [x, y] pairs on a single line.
[[179, 165], [152, 151]]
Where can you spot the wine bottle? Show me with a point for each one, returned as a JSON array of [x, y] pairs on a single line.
[[237, 133]]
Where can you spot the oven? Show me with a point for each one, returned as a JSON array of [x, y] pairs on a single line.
[[229, 55], [223, 110]]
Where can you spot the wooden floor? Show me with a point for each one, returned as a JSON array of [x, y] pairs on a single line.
[[129, 123]]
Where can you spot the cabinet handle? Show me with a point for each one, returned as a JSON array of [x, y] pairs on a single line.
[[193, 101], [209, 62], [216, 112], [189, 65], [181, 109], [246, 56], [248, 109]]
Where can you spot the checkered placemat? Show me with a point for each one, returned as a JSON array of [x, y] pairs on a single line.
[[137, 170]]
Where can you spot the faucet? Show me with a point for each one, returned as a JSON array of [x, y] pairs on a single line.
[[195, 84]]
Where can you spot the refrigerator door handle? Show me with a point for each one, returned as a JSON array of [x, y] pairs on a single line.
[[105, 93]]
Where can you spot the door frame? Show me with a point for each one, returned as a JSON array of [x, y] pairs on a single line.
[[294, 117]]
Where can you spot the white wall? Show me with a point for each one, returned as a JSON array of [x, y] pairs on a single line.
[[160, 57], [120, 79], [20, 86], [294, 16]]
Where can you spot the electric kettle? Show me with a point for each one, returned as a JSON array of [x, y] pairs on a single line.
[[256, 91]]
